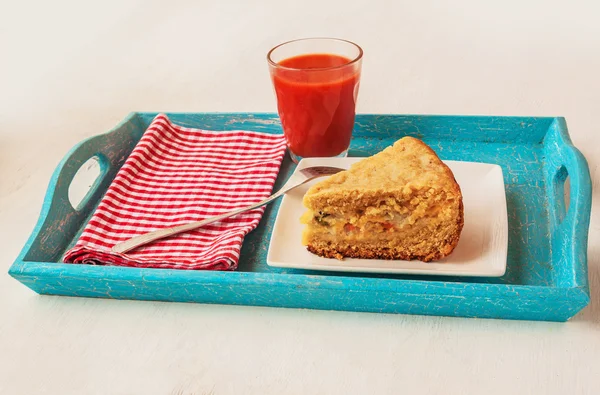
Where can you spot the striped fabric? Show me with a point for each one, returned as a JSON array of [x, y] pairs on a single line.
[[177, 175]]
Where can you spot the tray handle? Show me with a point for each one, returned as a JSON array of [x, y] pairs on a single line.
[[569, 225], [59, 221]]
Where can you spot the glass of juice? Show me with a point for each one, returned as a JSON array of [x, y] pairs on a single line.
[[316, 83]]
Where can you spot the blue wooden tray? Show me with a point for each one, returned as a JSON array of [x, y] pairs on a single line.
[[546, 278]]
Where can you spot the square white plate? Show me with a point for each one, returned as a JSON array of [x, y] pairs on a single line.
[[481, 250]]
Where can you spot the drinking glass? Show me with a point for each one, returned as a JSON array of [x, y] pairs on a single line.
[[316, 82]]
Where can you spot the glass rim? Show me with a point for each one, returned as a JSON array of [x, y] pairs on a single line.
[[352, 61]]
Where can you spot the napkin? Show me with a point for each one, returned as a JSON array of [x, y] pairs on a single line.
[[177, 175]]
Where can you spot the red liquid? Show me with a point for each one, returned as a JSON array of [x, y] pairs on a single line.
[[316, 106]]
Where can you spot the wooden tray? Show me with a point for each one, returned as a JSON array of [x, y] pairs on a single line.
[[546, 277]]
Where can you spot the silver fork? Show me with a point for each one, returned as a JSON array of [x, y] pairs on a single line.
[[298, 178]]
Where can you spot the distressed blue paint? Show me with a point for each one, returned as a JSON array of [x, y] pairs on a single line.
[[546, 278]]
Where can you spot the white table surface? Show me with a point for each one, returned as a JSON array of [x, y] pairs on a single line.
[[71, 69]]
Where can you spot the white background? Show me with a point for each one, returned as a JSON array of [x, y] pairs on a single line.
[[73, 69]]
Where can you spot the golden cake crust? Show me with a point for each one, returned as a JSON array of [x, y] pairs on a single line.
[[407, 165]]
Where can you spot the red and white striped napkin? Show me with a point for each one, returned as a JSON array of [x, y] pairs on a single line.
[[177, 175]]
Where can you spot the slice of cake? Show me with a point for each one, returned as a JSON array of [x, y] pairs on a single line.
[[402, 203]]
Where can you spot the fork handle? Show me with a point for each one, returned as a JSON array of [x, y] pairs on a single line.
[[146, 238]]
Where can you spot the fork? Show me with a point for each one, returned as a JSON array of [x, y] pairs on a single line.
[[298, 178]]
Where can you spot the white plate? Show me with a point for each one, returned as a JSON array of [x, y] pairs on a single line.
[[481, 250]]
